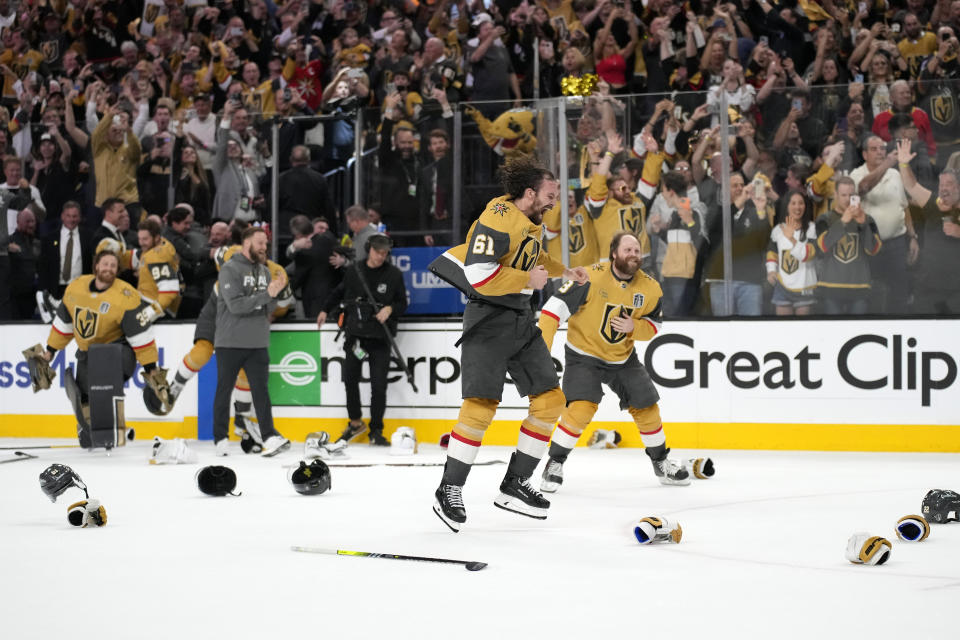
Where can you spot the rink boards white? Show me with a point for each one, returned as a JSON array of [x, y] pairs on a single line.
[[821, 385]]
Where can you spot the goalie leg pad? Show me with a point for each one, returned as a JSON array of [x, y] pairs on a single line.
[[657, 529], [863, 548], [87, 513]]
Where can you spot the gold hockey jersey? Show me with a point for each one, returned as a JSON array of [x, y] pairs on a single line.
[[102, 317], [611, 216], [581, 237], [284, 301], [589, 309], [158, 276], [494, 265]]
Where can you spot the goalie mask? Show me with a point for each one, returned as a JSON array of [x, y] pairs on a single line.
[[941, 506], [217, 480], [312, 479], [57, 478]]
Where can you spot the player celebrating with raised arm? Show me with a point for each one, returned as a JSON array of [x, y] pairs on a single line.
[[498, 269], [619, 305]]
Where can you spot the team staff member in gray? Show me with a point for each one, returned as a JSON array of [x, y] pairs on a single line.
[[247, 298], [364, 324]]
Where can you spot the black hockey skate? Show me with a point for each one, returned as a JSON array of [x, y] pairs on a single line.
[[552, 476], [519, 496], [377, 439], [449, 506], [668, 471]]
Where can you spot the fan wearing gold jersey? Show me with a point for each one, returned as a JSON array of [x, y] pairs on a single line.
[[581, 238], [611, 203], [245, 418], [102, 309], [499, 268], [620, 304]]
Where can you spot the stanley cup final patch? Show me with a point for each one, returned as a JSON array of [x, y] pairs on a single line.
[[638, 300]]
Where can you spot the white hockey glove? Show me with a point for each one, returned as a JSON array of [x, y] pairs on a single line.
[[657, 529], [87, 513]]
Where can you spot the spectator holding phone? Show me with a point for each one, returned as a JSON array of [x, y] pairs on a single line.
[[790, 253], [846, 238]]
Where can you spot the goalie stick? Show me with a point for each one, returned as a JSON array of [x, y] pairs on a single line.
[[470, 566], [20, 456]]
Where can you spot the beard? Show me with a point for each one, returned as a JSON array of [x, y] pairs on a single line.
[[260, 256], [106, 276], [627, 266], [623, 198]]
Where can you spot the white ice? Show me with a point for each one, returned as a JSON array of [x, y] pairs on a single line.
[[762, 553]]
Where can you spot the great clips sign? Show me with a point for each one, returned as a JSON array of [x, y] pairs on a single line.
[[880, 372]]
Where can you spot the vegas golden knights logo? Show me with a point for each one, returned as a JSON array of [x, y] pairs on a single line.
[[788, 262], [631, 219], [847, 250], [150, 15], [255, 102], [942, 108], [50, 50], [576, 240], [610, 312], [85, 322], [527, 254]]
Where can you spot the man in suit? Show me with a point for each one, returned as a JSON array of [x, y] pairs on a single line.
[[65, 254], [303, 191], [24, 249], [313, 274], [114, 212]]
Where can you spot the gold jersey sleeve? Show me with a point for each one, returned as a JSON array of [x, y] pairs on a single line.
[[589, 310], [285, 299], [159, 277], [90, 317]]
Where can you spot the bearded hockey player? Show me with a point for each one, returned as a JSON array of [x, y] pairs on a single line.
[[100, 309], [620, 304], [499, 268]]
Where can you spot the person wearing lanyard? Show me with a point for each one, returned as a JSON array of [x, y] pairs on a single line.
[[399, 167], [234, 175]]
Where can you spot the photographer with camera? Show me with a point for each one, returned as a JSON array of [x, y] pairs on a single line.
[[373, 297]]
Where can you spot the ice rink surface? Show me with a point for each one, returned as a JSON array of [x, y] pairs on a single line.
[[762, 554]]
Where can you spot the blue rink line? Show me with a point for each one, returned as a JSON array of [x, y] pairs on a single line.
[[206, 389]]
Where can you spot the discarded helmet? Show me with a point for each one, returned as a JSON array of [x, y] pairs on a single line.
[[217, 480], [57, 478], [311, 479]]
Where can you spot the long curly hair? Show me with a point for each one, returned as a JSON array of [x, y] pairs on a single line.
[[521, 173]]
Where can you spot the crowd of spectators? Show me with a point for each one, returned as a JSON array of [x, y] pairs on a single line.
[[148, 104]]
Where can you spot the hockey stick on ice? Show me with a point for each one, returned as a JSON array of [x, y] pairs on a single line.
[[20, 456], [42, 446], [470, 566], [357, 465]]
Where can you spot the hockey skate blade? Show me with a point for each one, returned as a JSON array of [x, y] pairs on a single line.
[[453, 525], [669, 482], [509, 503]]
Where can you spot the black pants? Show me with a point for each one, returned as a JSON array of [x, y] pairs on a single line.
[[256, 363], [892, 281], [378, 356]]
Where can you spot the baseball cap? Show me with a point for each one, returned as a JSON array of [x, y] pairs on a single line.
[[480, 18], [46, 136]]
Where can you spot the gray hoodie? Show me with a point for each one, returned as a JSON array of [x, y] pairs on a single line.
[[243, 306]]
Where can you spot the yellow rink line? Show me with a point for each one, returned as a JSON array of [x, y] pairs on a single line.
[[682, 435]]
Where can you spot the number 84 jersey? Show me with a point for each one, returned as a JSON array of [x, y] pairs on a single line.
[[592, 307]]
